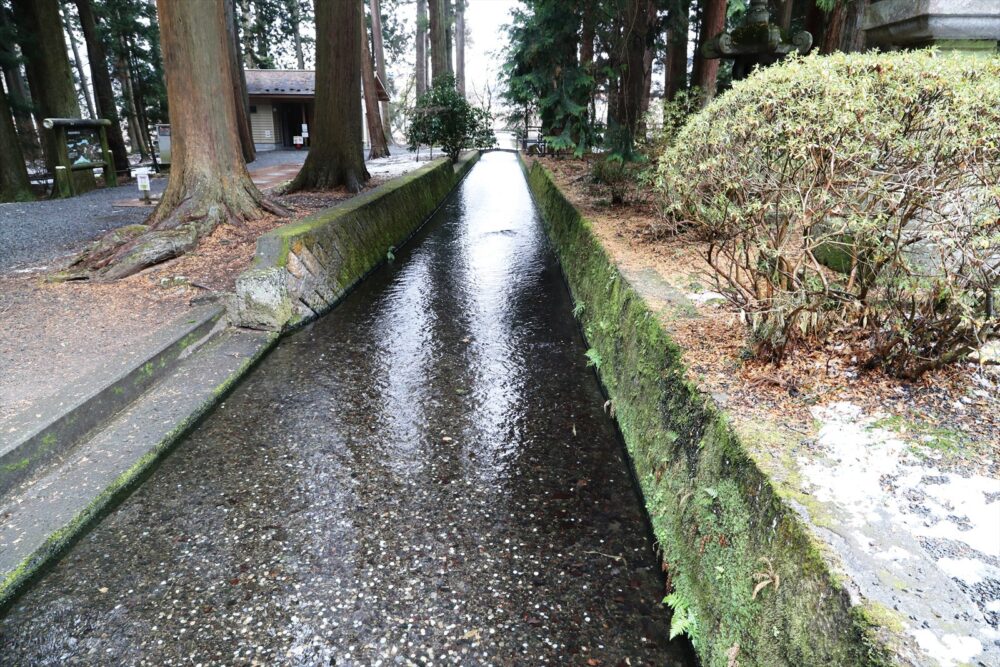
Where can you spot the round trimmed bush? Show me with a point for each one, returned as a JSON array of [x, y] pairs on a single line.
[[857, 193]]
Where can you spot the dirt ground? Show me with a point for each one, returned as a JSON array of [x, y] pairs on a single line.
[[954, 411], [53, 333]]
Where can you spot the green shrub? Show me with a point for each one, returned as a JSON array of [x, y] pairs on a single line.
[[443, 117], [885, 167]]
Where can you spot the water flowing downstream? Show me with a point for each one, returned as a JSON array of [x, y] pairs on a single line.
[[424, 476]]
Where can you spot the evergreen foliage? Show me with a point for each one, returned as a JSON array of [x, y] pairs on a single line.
[[852, 193], [443, 117]]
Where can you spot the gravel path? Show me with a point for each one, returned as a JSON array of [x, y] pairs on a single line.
[[38, 233]]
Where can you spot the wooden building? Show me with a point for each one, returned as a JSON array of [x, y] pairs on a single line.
[[282, 102]]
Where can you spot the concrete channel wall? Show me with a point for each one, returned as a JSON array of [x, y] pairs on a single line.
[[749, 574], [303, 269], [63, 469]]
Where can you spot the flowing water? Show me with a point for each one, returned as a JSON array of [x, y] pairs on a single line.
[[425, 476]]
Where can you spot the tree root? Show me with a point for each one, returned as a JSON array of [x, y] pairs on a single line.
[[118, 255], [128, 250]]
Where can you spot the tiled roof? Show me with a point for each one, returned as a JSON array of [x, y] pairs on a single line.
[[292, 82], [296, 82]]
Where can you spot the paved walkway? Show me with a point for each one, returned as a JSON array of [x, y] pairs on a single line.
[[34, 234]]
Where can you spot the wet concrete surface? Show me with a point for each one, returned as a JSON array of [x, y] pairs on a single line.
[[426, 476]]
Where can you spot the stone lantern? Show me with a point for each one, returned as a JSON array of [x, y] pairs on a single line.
[[756, 42]]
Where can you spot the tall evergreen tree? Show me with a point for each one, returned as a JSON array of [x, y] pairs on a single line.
[[81, 71], [17, 88], [706, 70], [460, 46], [437, 18], [40, 34], [378, 49], [241, 99], [377, 143], [421, 47], [675, 63], [104, 95], [14, 185], [336, 156], [209, 183]]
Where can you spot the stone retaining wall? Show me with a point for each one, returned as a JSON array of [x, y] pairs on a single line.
[[747, 569], [303, 269]]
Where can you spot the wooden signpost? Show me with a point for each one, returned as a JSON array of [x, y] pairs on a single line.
[[82, 144]]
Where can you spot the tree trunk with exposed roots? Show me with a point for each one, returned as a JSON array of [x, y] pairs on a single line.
[[336, 157], [378, 145], [209, 183]]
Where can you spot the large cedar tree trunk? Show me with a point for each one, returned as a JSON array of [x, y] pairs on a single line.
[[844, 30], [449, 35], [138, 139], [296, 16], [240, 98], [460, 46], [81, 72], [49, 75], [439, 40], [706, 70], [17, 89], [421, 39], [647, 61], [379, 146], [336, 157], [14, 184], [104, 95], [677, 45], [247, 30], [209, 183], [632, 81], [378, 47]]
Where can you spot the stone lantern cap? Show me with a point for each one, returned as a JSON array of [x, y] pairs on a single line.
[[916, 23]]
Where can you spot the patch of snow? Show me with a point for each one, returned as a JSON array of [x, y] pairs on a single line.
[[959, 497], [894, 553], [969, 570], [704, 297], [870, 479], [857, 458], [950, 649]]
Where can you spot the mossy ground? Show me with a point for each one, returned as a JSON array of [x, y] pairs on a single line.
[[737, 556]]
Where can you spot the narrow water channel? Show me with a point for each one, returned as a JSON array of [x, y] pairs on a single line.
[[426, 476]]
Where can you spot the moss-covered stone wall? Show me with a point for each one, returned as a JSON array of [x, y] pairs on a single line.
[[752, 584], [303, 269]]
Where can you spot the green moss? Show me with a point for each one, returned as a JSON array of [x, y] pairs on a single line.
[[16, 465], [723, 524]]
